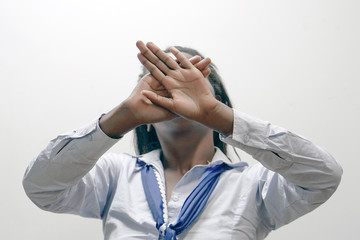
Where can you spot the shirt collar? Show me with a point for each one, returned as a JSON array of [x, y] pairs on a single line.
[[151, 158], [219, 157]]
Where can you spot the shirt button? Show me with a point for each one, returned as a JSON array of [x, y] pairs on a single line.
[[246, 138], [175, 198]]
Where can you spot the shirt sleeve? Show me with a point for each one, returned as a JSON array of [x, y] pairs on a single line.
[[62, 178], [302, 175]]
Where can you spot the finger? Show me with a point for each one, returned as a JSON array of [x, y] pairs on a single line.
[[147, 101], [156, 99], [153, 83], [162, 114], [151, 57], [203, 64], [206, 72], [195, 59], [157, 87], [168, 60], [184, 61], [155, 72]]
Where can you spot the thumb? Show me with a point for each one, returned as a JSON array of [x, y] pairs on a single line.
[[161, 101]]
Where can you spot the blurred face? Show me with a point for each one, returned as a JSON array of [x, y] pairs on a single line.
[[179, 127]]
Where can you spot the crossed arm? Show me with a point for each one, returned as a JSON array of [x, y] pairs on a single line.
[[174, 87]]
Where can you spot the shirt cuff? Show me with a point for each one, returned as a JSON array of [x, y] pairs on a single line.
[[248, 130], [91, 141]]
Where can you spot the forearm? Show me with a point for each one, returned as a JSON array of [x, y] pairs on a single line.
[[66, 159], [297, 159]]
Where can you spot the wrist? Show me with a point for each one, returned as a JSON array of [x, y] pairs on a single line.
[[118, 121], [220, 118]]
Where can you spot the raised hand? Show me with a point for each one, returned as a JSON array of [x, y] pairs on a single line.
[[136, 110], [142, 108], [189, 91], [174, 87]]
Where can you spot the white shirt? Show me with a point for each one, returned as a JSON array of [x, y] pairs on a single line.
[[294, 176]]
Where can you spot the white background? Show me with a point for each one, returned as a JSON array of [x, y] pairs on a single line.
[[63, 63]]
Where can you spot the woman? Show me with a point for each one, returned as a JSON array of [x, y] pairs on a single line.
[[186, 187]]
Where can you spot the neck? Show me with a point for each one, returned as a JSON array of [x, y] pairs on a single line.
[[187, 152]]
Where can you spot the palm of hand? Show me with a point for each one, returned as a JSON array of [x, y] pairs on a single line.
[[189, 92]]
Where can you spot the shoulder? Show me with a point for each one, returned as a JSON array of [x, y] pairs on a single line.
[[127, 162], [116, 162]]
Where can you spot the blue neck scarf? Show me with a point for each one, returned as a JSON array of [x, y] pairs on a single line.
[[193, 205]]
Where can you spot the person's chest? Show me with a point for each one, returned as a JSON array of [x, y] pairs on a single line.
[[230, 211]]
